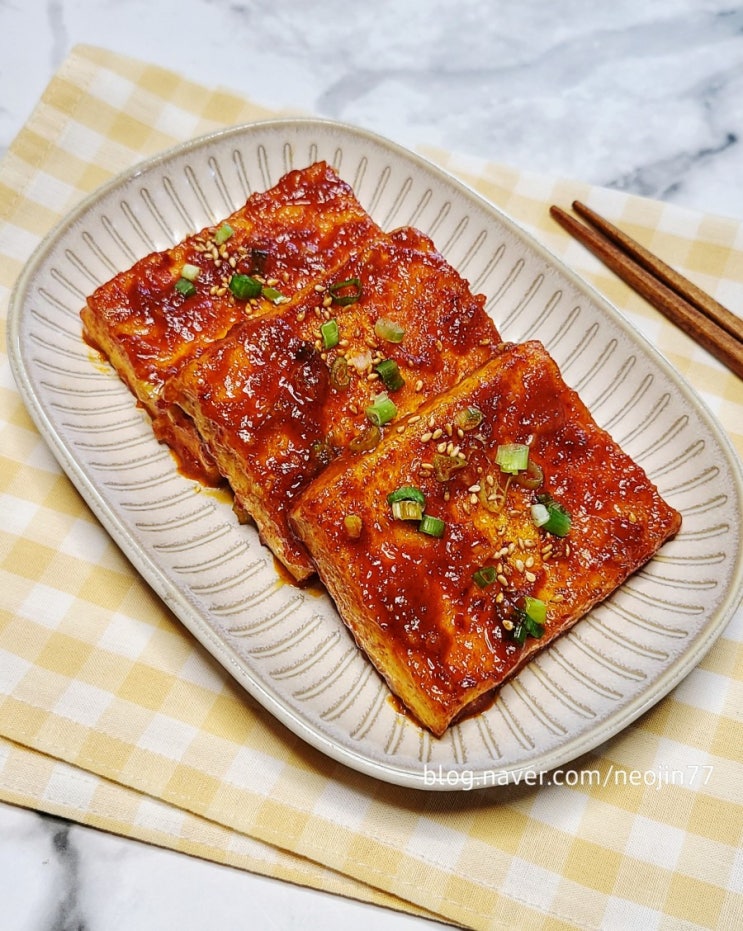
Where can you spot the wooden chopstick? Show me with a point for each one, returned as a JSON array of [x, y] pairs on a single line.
[[694, 311]]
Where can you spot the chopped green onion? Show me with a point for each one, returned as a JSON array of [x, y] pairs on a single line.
[[329, 334], [389, 371], [433, 526], [271, 294], [539, 514], [223, 233], [344, 299], [468, 419], [366, 440], [445, 466], [407, 493], [536, 609], [529, 620], [526, 627], [484, 576], [532, 477], [353, 525], [407, 510], [388, 330], [382, 410], [185, 287], [244, 287], [340, 376], [190, 272], [512, 457], [559, 521]]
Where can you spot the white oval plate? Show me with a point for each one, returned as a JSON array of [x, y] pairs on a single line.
[[288, 647]]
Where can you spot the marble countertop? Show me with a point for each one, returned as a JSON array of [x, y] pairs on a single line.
[[640, 97]]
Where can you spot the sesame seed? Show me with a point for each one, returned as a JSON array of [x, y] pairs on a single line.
[[437, 434], [415, 418], [519, 565], [530, 577], [427, 466], [502, 579], [508, 625], [426, 436], [319, 288], [473, 489], [449, 429], [529, 562], [327, 301], [441, 448], [419, 385]]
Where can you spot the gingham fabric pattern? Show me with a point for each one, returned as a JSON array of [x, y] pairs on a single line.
[[111, 714]]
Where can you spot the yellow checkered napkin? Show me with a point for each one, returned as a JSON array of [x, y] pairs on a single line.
[[111, 714]]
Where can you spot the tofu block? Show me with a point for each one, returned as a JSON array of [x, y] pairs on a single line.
[[279, 398], [450, 605], [286, 237]]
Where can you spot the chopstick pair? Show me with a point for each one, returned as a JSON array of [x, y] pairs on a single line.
[[694, 311]]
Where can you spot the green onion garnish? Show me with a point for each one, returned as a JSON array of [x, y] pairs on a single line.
[[185, 287], [343, 299], [407, 493], [530, 620], [329, 334], [407, 510], [190, 272], [366, 440], [382, 410], [271, 294], [536, 609], [445, 466], [388, 330], [468, 419], [223, 233], [532, 477], [389, 371], [539, 514], [526, 627], [340, 375], [484, 576], [559, 520], [244, 287], [512, 457], [433, 526]]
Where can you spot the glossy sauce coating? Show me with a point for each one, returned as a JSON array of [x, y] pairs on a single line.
[[411, 600], [267, 399], [305, 225]]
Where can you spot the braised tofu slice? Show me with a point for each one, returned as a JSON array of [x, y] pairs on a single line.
[[486, 527], [280, 397], [152, 318]]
